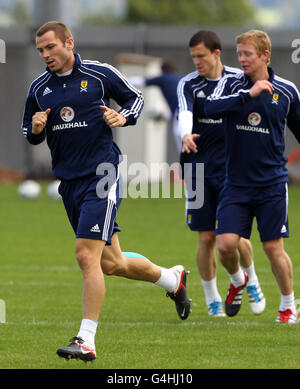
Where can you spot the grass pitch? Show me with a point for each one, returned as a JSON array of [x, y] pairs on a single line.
[[41, 285]]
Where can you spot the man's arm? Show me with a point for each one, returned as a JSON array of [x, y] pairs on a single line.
[[185, 117], [34, 121], [127, 96], [293, 118], [185, 123], [223, 100], [140, 82]]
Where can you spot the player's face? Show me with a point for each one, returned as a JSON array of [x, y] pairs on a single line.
[[204, 60], [251, 62], [57, 55]]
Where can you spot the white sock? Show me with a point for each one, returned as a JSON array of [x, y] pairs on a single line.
[[167, 280], [288, 302], [237, 278], [88, 330], [252, 277], [211, 291]]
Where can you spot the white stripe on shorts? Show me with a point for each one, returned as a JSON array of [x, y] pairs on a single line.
[[286, 201], [111, 203]]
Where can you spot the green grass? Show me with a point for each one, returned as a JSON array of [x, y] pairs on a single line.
[[41, 285]]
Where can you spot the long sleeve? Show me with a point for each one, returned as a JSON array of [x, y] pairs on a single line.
[[185, 96], [224, 99], [293, 119], [31, 107], [185, 107], [127, 96]]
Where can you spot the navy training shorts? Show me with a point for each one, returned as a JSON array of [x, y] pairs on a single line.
[[204, 218], [239, 205], [91, 204]]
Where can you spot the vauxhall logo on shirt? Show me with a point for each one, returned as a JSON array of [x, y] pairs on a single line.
[[254, 119], [67, 114]]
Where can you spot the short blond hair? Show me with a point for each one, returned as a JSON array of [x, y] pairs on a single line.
[[259, 39]]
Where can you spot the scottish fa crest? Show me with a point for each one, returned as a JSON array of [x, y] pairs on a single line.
[[275, 98], [83, 86]]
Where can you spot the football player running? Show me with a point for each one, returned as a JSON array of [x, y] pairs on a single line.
[[203, 142], [69, 105], [257, 104]]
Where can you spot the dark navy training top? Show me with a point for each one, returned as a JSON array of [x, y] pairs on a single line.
[[76, 133], [192, 92], [255, 128]]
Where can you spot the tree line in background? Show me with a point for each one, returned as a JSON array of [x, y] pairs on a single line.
[[233, 13], [206, 12]]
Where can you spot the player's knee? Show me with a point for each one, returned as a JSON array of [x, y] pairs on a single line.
[[85, 258], [245, 243], [226, 246], [272, 248], [207, 238]]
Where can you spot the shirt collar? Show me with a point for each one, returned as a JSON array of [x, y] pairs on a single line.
[[77, 64], [271, 75]]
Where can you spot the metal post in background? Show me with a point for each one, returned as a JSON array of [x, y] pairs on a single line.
[[65, 11], [46, 10]]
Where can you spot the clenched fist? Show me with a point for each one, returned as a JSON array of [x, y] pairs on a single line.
[[112, 117], [260, 86], [39, 120]]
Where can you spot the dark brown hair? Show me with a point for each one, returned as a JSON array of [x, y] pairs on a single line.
[[209, 38], [61, 30]]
